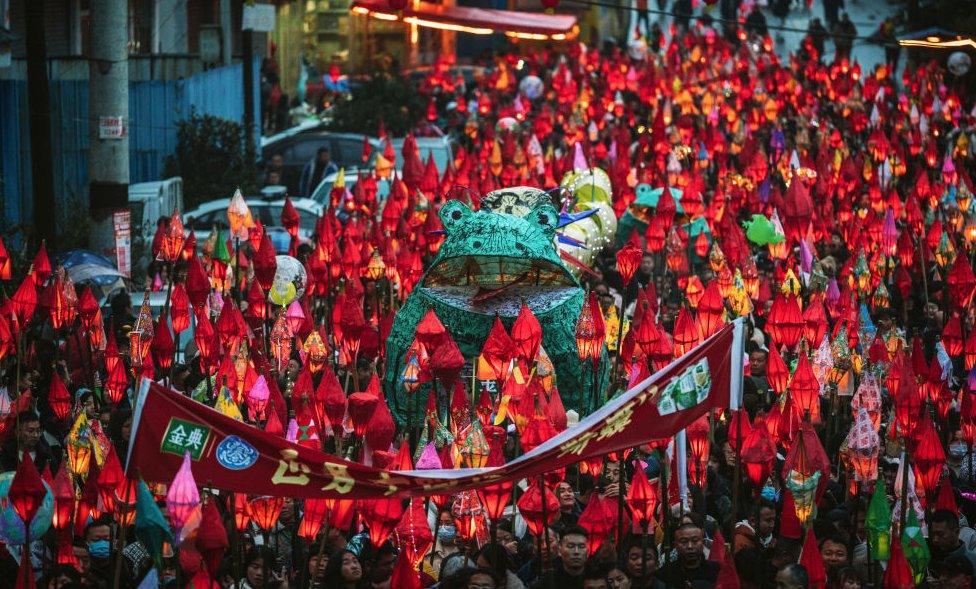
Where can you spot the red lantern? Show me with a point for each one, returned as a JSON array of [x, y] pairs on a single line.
[[312, 517], [212, 539], [952, 336], [739, 428], [361, 408], [179, 309], [589, 342], [117, 383], [265, 511], [495, 498], [242, 512], [758, 454], [928, 457], [109, 479], [697, 436], [64, 500], [172, 246], [531, 507], [777, 374], [628, 259], [257, 304], [642, 497], [87, 308], [205, 339], [711, 309], [785, 321], [6, 267], [24, 301], [805, 389], [58, 397], [686, 333], [27, 490], [527, 335], [413, 536], [381, 517], [163, 347], [597, 521]]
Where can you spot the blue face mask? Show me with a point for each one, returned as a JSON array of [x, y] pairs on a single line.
[[446, 532], [98, 549]]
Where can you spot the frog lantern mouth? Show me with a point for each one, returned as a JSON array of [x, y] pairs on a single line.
[[491, 262]]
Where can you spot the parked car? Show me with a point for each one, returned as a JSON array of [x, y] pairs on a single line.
[[213, 214], [298, 147], [439, 147]]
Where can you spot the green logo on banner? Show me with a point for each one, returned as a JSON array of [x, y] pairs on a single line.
[[185, 436]]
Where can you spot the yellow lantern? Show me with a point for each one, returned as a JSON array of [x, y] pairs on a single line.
[[375, 268], [316, 350]]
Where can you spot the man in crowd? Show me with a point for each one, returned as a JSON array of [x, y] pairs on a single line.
[[691, 566], [567, 571]]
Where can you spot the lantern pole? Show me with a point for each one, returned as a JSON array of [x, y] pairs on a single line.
[[921, 265], [643, 553], [620, 331], [264, 563], [545, 520], [969, 450], [620, 499], [325, 534], [122, 526], [738, 462]]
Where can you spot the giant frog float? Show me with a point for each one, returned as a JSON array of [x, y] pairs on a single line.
[[493, 259]]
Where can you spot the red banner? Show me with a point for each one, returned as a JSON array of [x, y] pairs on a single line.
[[234, 456]]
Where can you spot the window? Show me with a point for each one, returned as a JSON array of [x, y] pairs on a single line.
[[206, 221], [305, 147]]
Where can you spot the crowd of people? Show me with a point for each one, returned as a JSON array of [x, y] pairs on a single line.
[[860, 341]]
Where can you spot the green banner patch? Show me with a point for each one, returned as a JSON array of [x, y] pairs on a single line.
[[185, 436]]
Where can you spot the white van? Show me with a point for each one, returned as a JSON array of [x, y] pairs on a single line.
[[148, 201]]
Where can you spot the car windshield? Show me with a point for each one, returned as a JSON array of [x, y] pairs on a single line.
[[321, 194], [270, 216]]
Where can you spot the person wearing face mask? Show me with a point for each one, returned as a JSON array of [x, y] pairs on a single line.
[[444, 546], [97, 536]]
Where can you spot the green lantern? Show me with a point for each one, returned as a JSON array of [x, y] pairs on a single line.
[[220, 248], [915, 547], [878, 523]]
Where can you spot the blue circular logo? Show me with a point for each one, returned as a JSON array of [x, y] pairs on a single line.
[[234, 453]]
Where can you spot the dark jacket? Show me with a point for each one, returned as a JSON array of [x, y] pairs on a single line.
[[677, 577], [558, 578], [43, 456]]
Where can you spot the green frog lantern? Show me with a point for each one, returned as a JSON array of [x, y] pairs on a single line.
[[491, 261]]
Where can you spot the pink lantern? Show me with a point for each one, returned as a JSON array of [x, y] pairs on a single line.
[[257, 397], [182, 497], [295, 316]]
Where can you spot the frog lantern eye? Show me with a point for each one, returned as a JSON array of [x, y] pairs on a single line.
[[546, 217], [453, 213]]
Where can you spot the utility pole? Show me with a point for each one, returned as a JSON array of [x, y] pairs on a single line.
[[39, 108], [247, 62], [108, 116]]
